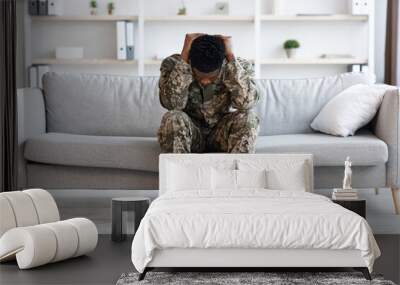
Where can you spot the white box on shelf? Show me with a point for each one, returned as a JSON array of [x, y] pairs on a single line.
[[55, 7], [69, 52], [359, 7], [121, 40]]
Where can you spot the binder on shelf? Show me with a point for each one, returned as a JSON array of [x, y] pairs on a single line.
[[33, 77], [121, 40], [364, 68], [359, 7], [41, 70], [129, 41], [43, 8], [33, 7], [54, 7], [354, 68]]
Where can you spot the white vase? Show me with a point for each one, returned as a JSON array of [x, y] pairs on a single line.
[[291, 52]]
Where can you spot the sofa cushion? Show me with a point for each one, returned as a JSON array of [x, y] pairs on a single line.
[[102, 105], [139, 153], [111, 105], [288, 106], [364, 149]]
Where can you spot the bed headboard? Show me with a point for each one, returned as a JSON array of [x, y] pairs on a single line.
[[225, 160]]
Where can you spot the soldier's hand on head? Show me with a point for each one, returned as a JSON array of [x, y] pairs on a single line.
[[189, 38], [228, 47]]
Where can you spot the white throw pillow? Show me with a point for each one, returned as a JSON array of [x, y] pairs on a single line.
[[181, 177], [350, 110]]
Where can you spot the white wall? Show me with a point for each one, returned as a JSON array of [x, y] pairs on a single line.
[[380, 39], [162, 39]]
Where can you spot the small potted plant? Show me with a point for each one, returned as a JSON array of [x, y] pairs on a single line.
[[110, 8], [93, 7], [182, 10], [291, 47]]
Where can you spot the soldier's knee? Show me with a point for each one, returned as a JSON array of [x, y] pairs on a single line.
[[174, 122], [174, 134], [175, 116]]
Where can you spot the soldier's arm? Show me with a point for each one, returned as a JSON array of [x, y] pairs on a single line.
[[175, 78], [239, 79]]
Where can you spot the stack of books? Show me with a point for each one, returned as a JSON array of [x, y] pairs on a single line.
[[344, 194]]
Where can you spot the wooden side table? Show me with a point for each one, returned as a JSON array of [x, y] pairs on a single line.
[[118, 205], [357, 206]]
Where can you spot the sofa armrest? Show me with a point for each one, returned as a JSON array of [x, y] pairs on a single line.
[[31, 122], [387, 128]]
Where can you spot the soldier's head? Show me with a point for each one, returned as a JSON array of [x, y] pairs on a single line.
[[206, 56]]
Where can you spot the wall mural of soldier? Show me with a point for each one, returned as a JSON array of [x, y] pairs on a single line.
[[209, 94]]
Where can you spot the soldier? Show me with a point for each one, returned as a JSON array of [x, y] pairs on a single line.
[[209, 94]]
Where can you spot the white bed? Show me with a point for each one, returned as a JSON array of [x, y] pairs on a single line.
[[248, 227]]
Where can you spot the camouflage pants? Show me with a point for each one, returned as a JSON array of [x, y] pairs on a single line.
[[236, 132]]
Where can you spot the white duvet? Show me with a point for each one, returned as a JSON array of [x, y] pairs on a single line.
[[250, 219]]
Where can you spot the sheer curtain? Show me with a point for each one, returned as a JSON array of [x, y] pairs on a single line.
[[8, 96], [392, 70]]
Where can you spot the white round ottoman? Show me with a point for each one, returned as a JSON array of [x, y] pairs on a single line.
[[31, 232]]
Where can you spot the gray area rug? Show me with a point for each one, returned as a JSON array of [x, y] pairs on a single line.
[[244, 278]]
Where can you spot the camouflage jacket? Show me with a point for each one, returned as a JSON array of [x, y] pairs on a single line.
[[234, 89]]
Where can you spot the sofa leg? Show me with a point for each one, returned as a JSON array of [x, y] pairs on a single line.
[[364, 271], [396, 200], [143, 274]]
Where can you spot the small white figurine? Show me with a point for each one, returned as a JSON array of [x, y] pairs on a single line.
[[347, 174]]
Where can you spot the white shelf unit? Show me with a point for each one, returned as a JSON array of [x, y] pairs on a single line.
[[84, 61], [255, 21]]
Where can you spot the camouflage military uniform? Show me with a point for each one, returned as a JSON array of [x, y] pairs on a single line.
[[216, 118]]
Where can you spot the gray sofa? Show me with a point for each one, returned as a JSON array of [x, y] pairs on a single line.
[[98, 131]]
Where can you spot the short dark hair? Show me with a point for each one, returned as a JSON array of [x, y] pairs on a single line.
[[207, 53]]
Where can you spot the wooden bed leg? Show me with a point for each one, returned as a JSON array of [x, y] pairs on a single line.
[[396, 199], [364, 271], [143, 274]]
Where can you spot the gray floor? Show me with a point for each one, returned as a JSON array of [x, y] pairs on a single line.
[[103, 266], [109, 260]]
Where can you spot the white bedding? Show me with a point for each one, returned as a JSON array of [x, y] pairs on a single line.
[[250, 218]]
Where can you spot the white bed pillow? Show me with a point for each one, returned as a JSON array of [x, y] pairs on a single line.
[[182, 177], [223, 179], [350, 110], [251, 179], [290, 175], [232, 180]]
